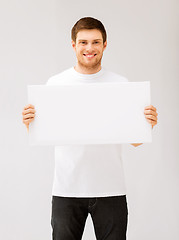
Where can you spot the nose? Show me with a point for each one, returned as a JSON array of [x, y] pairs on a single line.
[[89, 47]]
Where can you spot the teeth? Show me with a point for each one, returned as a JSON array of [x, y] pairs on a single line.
[[87, 55]]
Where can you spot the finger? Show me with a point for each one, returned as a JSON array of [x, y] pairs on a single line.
[[150, 107], [150, 112], [153, 123], [29, 120], [29, 106], [30, 115], [151, 117], [30, 110]]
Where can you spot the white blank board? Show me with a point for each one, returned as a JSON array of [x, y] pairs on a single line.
[[90, 113]]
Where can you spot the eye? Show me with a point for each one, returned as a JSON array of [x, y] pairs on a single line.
[[83, 42], [96, 42]]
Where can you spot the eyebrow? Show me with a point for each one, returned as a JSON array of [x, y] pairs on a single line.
[[87, 40]]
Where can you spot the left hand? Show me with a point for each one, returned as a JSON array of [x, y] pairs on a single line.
[[151, 115]]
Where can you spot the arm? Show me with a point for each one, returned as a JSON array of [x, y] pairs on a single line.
[[136, 144], [151, 116]]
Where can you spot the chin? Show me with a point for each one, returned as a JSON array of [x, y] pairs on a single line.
[[90, 65]]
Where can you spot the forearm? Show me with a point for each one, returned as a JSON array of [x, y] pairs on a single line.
[[136, 144]]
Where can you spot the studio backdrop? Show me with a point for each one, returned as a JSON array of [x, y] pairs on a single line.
[[143, 45]]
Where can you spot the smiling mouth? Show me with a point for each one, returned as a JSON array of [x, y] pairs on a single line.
[[89, 55]]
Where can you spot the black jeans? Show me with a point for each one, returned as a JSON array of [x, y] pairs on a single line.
[[109, 216]]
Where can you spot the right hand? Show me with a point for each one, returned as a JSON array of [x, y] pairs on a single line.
[[28, 115]]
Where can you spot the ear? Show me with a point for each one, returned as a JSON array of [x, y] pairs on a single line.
[[73, 45], [104, 45]]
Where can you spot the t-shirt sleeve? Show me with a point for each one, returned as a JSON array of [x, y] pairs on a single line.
[[125, 79], [49, 82]]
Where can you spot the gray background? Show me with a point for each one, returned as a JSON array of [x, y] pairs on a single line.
[[35, 44]]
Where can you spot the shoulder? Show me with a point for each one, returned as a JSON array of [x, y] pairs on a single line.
[[60, 77], [115, 76]]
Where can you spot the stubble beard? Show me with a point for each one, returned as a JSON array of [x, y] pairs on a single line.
[[89, 66]]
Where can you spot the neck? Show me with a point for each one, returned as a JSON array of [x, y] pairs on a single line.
[[86, 70]]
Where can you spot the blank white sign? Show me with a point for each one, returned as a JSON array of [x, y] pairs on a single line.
[[90, 113]]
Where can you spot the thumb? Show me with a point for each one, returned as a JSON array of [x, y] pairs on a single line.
[[27, 126]]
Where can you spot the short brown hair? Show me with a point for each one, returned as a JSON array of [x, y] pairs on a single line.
[[88, 23]]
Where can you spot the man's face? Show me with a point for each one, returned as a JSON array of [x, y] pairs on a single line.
[[89, 48]]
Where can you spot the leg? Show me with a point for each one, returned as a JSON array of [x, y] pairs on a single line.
[[68, 218], [109, 216]]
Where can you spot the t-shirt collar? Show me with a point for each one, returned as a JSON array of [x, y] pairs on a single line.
[[88, 76]]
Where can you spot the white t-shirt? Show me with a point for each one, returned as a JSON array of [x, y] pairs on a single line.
[[88, 170]]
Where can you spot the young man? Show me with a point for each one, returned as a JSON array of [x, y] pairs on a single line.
[[88, 178]]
